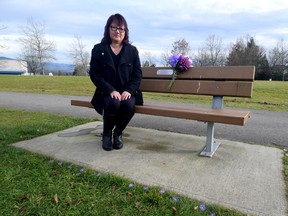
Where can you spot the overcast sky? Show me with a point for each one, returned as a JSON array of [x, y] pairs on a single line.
[[153, 24]]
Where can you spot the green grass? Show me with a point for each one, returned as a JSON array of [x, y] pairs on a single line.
[[32, 184], [272, 96]]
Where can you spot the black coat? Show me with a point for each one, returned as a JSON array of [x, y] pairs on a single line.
[[103, 73]]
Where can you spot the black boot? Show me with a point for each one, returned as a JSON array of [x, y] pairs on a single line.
[[117, 139], [107, 141], [108, 126]]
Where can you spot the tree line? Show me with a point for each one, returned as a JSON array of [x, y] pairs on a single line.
[[271, 64], [268, 65]]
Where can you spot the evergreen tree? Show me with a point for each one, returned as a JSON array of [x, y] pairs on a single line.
[[250, 54]]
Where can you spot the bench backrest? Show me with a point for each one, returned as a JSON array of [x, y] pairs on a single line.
[[234, 81]]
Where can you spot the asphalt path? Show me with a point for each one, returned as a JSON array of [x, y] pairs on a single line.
[[264, 127]]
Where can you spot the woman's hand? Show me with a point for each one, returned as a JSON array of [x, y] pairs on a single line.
[[116, 95], [124, 96]]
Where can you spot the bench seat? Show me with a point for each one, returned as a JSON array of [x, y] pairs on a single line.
[[225, 116]]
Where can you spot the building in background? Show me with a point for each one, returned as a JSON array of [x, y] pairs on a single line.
[[13, 67]]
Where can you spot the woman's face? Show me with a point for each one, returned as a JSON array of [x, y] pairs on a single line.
[[117, 33]]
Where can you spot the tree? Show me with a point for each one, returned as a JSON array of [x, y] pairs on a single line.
[[248, 53], [165, 58], [79, 56], [278, 59], [181, 47], [149, 59], [212, 53], [36, 49]]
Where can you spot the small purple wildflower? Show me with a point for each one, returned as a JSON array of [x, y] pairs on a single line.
[[81, 170], [162, 191], [60, 163], [131, 185], [175, 199], [79, 173], [51, 161], [145, 188], [212, 214], [202, 207]]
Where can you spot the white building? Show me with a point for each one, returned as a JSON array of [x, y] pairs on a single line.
[[13, 67]]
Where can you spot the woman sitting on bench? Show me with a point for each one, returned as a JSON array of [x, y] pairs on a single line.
[[115, 70]]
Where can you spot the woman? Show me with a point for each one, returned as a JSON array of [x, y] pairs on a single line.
[[115, 70]]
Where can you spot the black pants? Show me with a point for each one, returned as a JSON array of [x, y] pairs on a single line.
[[117, 113]]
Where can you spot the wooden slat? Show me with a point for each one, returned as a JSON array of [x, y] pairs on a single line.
[[204, 114], [215, 88], [200, 114], [81, 103], [211, 73]]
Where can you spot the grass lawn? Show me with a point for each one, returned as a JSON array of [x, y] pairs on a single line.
[[33, 184], [272, 96]]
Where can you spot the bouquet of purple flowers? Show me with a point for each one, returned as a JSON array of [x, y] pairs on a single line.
[[179, 64]]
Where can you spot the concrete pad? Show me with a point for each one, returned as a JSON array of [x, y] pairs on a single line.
[[245, 177]]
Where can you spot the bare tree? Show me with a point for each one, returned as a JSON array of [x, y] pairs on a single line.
[[212, 53], [165, 58], [278, 58], [181, 47], [149, 59], [79, 56], [279, 54], [36, 49]]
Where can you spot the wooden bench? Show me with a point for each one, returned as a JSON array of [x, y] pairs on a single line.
[[232, 81]]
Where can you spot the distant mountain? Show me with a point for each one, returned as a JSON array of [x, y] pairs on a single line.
[[5, 58], [56, 67]]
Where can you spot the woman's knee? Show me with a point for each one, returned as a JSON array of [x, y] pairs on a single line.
[[127, 106], [112, 105]]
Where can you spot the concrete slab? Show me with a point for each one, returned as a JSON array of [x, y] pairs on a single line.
[[245, 177]]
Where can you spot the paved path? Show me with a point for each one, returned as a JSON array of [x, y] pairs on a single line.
[[265, 128]]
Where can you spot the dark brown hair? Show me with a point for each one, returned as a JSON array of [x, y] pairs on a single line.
[[120, 20]]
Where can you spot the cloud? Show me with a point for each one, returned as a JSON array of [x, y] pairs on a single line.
[[154, 25]]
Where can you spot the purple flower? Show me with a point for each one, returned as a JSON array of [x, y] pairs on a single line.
[[60, 163], [179, 63], [131, 185], [81, 170], [202, 207], [183, 64], [146, 188], [162, 191], [173, 60], [212, 214], [175, 199], [51, 161]]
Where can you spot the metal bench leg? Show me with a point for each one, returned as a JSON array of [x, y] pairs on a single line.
[[211, 145]]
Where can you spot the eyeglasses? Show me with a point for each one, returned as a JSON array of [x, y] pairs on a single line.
[[114, 28]]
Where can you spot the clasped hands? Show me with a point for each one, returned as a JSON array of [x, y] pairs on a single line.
[[124, 96]]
